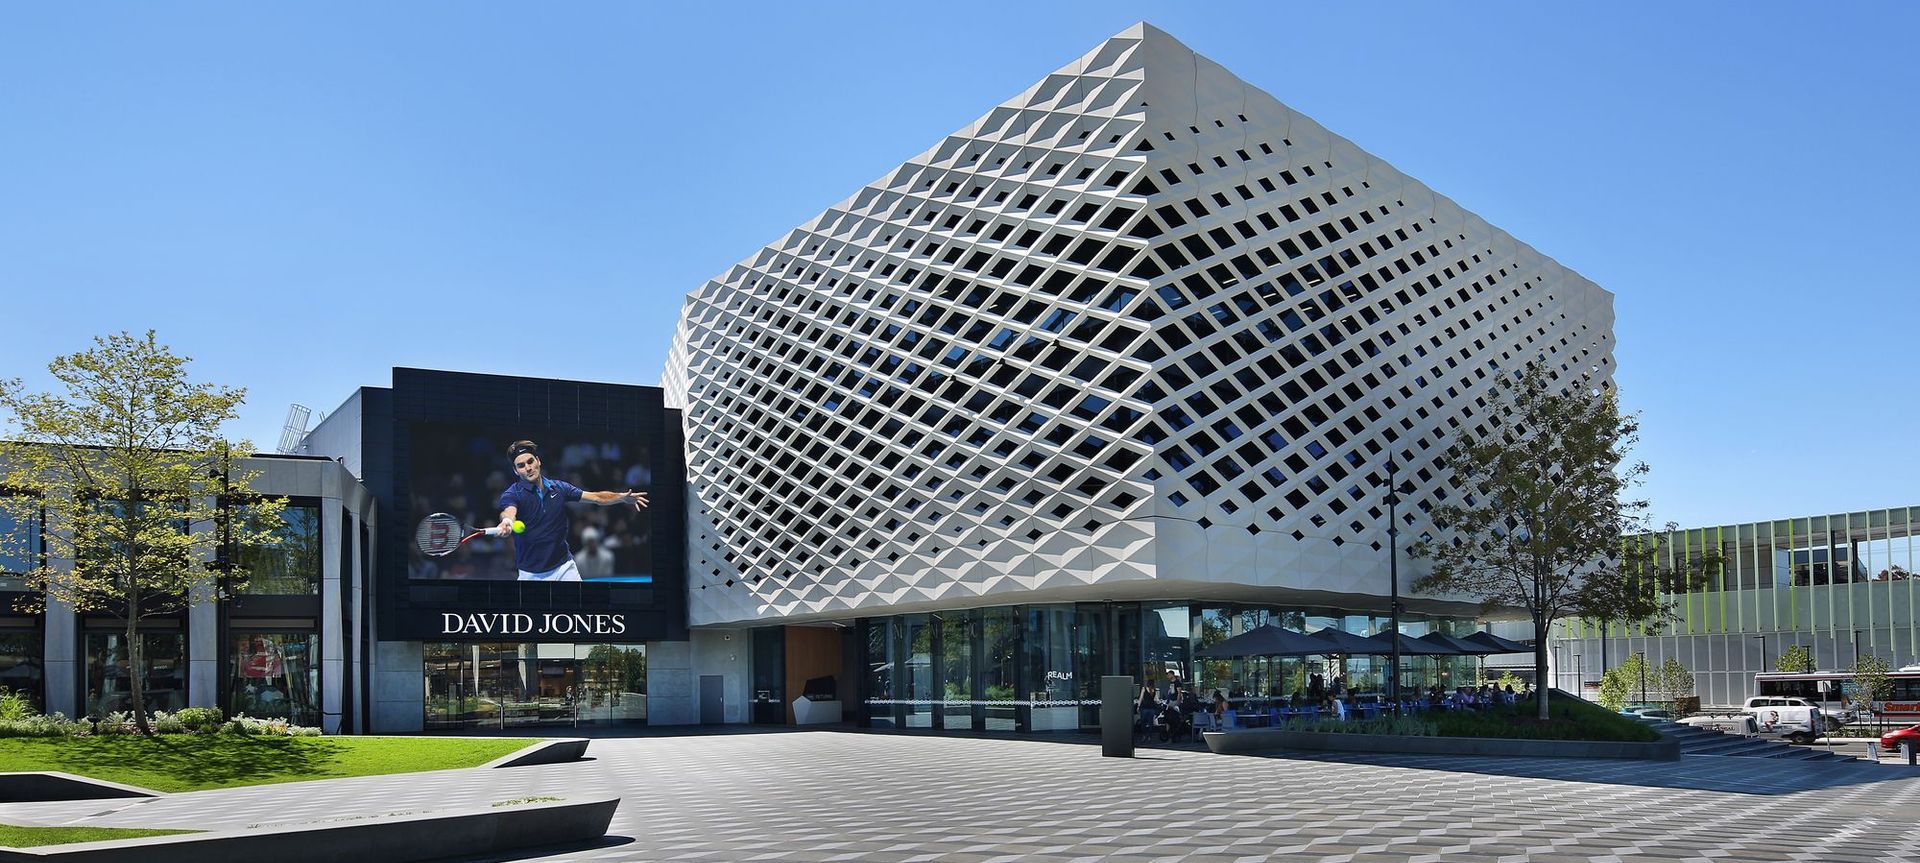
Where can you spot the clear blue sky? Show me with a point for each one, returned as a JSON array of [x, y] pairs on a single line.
[[302, 196]]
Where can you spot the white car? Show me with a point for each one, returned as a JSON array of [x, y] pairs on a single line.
[[1796, 718], [1740, 724]]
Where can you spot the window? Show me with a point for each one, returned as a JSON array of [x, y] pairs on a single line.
[[109, 677], [21, 671], [19, 540], [275, 676], [290, 567]]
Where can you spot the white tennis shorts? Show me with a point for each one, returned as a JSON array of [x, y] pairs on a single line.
[[564, 572]]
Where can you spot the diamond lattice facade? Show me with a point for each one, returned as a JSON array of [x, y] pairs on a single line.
[[1139, 332]]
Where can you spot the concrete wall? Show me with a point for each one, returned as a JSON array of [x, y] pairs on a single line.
[[674, 669], [399, 691]]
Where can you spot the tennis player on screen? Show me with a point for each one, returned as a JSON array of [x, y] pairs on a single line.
[[541, 552]]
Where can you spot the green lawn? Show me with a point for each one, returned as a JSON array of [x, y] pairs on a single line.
[[192, 762], [27, 837]]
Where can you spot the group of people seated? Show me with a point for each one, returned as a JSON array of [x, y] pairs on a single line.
[[1182, 710], [1473, 697]]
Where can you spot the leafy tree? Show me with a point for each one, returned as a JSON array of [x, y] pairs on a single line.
[[1541, 511], [1642, 594], [1794, 660], [1871, 682], [1676, 683], [132, 477], [1621, 683]]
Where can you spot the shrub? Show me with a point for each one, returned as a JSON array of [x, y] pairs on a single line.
[[200, 719], [1405, 726], [1570, 719], [50, 725], [15, 706]]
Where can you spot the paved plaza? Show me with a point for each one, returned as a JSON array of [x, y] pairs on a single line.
[[842, 796]]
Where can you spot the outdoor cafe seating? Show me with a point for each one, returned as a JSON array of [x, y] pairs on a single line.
[[1274, 641]]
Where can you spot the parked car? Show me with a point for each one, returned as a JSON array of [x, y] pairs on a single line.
[[1796, 718], [1892, 741], [1738, 723]]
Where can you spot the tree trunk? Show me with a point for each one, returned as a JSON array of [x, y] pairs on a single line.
[[1540, 664], [136, 672]]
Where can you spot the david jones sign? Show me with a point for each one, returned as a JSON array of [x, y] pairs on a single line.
[[545, 623]]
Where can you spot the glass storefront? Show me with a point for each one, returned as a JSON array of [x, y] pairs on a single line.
[[109, 684], [21, 665], [502, 684], [275, 675], [1038, 667]]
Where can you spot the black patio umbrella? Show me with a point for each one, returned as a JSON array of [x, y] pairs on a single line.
[[1266, 640], [1348, 644], [1502, 645], [1463, 646], [1410, 646]]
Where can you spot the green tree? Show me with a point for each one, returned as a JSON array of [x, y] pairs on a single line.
[[1621, 683], [1642, 594], [131, 480], [1794, 660], [1541, 511], [1871, 683], [1676, 683]]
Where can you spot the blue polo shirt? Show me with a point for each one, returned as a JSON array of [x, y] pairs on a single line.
[[544, 509]]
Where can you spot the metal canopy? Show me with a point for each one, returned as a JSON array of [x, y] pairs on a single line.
[[1410, 646], [1348, 644], [1267, 640], [1461, 645], [1501, 645]]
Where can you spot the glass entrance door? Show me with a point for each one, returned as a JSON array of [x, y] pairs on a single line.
[[502, 684], [613, 682]]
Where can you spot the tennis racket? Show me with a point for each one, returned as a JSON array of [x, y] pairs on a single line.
[[440, 534]]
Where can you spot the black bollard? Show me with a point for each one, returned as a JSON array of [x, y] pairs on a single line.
[[1913, 753], [1116, 716]]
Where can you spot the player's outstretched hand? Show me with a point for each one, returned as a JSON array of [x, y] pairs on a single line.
[[637, 498]]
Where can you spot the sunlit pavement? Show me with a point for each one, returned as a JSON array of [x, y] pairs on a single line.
[[832, 796]]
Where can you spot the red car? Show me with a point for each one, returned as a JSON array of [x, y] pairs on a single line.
[[1893, 740]]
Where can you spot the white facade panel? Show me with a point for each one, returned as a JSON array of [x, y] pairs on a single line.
[[1142, 330]]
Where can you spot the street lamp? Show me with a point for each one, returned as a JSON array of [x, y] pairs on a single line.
[[1393, 582]]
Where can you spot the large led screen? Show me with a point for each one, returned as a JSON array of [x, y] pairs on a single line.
[[574, 493]]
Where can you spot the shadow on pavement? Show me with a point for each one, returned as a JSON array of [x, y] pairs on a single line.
[[602, 844], [1724, 774]]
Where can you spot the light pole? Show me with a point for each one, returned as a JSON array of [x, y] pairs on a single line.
[[1643, 677], [1393, 582]]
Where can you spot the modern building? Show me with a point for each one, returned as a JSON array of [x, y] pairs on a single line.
[[1839, 585], [1120, 368], [1124, 367], [287, 645], [466, 640]]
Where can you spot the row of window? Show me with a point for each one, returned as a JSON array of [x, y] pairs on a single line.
[[269, 675], [292, 567]]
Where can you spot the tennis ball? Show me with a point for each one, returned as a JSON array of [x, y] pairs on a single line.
[[519, 526]]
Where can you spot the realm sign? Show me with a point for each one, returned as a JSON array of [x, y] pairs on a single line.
[[544, 623]]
